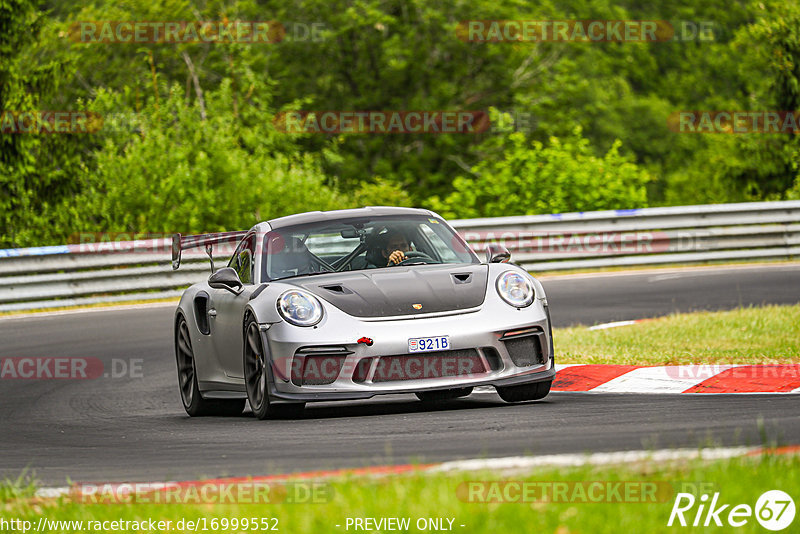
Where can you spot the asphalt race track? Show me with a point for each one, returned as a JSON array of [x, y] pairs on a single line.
[[134, 427]]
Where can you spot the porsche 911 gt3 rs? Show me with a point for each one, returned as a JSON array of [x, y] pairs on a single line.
[[350, 304]]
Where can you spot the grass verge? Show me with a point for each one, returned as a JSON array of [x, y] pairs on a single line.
[[100, 305], [769, 334], [630, 498]]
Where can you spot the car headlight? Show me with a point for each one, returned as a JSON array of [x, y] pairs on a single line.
[[515, 289], [300, 308]]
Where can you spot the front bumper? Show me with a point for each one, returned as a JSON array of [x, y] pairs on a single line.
[[319, 396], [482, 329]]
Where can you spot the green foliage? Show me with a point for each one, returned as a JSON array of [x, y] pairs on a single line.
[[524, 177], [379, 193], [398, 55], [794, 192], [188, 126], [36, 172], [772, 68], [167, 169]]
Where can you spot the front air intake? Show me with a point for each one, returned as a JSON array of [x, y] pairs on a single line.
[[318, 366], [525, 347]]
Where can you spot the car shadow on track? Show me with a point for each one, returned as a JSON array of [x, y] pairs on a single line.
[[389, 405], [401, 404]]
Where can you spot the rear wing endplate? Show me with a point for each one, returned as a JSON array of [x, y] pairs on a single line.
[[183, 242]]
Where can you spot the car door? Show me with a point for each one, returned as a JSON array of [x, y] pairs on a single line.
[[227, 310]]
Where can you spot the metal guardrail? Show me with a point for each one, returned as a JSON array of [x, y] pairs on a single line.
[[66, 275]]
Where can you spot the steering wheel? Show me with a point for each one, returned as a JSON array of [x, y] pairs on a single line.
[[414, 256]]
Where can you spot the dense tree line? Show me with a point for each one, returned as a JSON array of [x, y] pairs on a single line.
[[189, 143]]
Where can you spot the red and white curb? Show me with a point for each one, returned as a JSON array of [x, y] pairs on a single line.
[[712, 378], [505, 464]]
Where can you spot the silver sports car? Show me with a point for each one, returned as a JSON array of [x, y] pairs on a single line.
[[350, 304]]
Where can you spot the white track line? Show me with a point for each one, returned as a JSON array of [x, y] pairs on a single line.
[[597, 458], [52, 493], [612, 325]]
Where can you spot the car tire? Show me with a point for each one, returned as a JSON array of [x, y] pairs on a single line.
[[193, 401], [525, 392], [256, 378], [443, 395]]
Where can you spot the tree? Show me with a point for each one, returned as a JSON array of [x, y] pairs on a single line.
[[772, 68], [524, 177]]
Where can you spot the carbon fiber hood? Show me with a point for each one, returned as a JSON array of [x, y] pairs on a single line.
[[396, 290]]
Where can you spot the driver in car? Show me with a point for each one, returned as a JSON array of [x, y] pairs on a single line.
[[395, 246]]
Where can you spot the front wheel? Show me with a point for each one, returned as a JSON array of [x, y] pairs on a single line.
[[193, 402], [525, 392], [256, 378]]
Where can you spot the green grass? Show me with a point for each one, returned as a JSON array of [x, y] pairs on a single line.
[[770, 334], [421, 495], [20, 488]]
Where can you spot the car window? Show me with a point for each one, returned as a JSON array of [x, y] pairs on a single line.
[[362, 243], [444, 252], [245, 269], [331, 244], [242, 260]]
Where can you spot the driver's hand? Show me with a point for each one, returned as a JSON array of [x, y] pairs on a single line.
[[396, 257]]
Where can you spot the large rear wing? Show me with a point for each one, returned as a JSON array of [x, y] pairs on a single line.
[[183, 242]]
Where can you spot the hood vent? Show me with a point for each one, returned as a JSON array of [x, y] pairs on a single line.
[[339, 289]]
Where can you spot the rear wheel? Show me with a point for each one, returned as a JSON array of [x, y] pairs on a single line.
[[256, 378], [442, 395], [193, 402], [525, 392]]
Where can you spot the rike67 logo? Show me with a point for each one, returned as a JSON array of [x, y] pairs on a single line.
[[774, 510]]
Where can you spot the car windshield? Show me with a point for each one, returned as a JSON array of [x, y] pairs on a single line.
[[362, 243]]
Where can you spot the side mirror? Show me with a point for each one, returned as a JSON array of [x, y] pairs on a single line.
[[226, 278], [496, 253]]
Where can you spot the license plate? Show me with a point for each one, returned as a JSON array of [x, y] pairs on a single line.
[[428, 344]]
